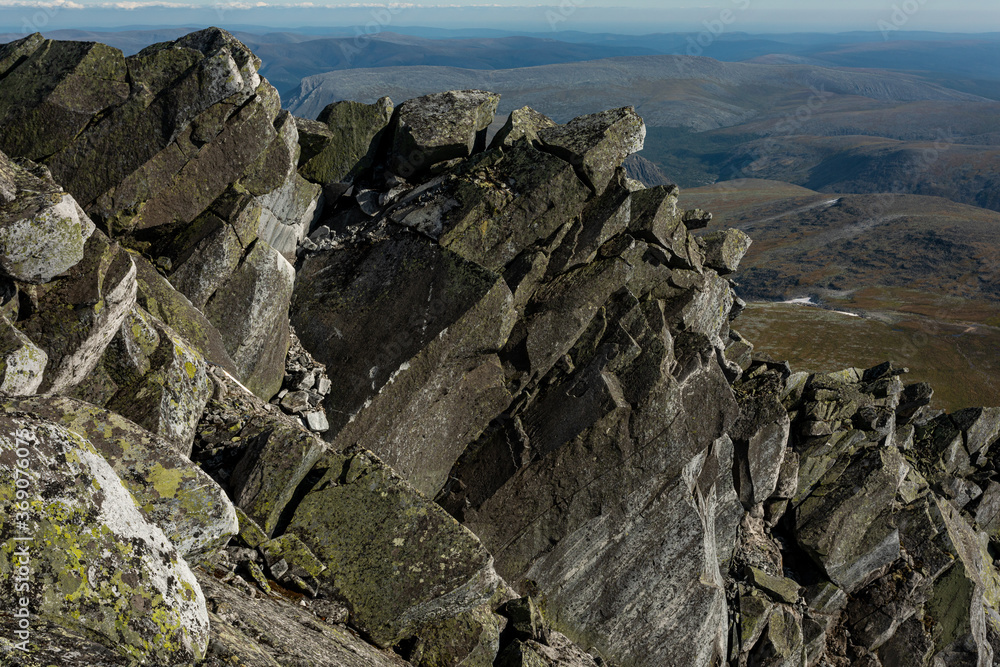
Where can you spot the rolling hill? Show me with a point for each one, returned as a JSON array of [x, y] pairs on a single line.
[[831, 279]]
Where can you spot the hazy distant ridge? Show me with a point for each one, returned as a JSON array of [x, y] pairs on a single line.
[[679, 91]]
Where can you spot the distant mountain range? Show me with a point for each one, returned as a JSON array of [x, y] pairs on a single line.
[[673, 91]]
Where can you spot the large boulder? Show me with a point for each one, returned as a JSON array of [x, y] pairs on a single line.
[[90, 559], [415, 383], [596, 144], [250, 309], [439, 127], [52, 90], [523, 123], [396, 559], [153, 376], [172, 493], [278, 456], [343, 141], [161, 300], [42, 228]]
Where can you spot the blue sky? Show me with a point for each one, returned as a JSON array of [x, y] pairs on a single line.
[[628, 16]]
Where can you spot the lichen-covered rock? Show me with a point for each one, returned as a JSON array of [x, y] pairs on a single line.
[[78, 314], [596, 144], [94, 564], [396, 559], [523, 123], [278, 456], [22, 363], [724, 250], [172, 493], [201, 119], [439, 127], [251, 311], [42, 229], [51, 90], [291, 562], [154, 377], [782, 644], [195, 129], [342, 142], [159, 298], [470, 639], [784, 589]]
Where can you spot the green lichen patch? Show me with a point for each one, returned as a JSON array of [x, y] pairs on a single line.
[[173, 494], [395, 558], [97, 567]]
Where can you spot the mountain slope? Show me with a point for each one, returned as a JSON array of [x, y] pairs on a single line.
[[923, 273]]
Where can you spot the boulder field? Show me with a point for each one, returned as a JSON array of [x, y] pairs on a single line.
[[383, 389]]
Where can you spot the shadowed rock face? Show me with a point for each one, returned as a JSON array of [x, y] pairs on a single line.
[[515, 426]]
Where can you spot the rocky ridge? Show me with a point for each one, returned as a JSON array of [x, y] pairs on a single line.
[[373, 389]]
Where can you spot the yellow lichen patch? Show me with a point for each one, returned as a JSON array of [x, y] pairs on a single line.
[[164, 481]]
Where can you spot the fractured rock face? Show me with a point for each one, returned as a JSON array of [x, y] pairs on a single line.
[[151, 375], [408, 375], [159, 298], [251, 311], [79, 313], [204, 161]]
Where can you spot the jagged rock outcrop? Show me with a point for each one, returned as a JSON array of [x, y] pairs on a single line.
[[366, 391], [180, 151]]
